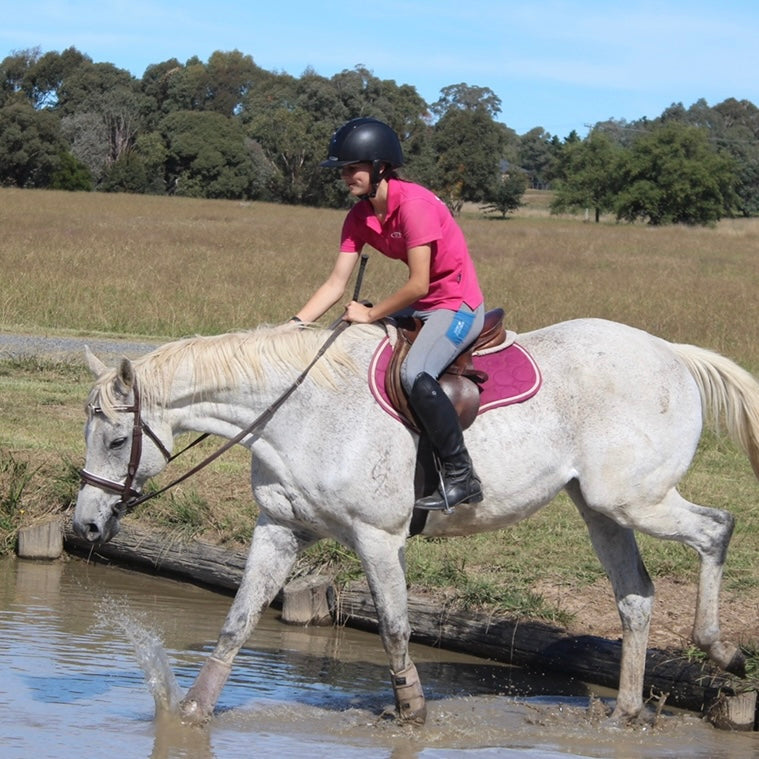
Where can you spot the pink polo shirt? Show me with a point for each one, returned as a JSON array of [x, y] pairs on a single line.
[[416, 216]]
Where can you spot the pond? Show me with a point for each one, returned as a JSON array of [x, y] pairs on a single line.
[[93, 657]]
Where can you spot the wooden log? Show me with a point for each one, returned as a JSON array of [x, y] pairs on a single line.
[[734, 712], [536, 646], [41, 541], [305, 601], [541, 647], [162, 553]]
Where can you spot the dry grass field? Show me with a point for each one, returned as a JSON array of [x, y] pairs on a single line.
[[170, 267], [92, 264]]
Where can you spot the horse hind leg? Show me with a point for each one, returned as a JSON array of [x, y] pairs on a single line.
[[712, 530], [708, 532], [618, 552]]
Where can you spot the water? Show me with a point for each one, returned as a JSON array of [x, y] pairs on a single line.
[[94, 659]]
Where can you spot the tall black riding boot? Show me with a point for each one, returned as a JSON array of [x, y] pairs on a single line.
[[438, 418]]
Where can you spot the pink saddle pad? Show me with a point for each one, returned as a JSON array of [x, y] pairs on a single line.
[[513, 377]]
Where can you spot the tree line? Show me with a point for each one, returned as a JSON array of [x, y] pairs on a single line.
[[227, 128]]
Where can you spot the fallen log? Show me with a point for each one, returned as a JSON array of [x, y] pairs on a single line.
[[535, 646]]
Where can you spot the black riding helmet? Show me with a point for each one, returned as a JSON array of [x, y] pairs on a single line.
[[365, 140]]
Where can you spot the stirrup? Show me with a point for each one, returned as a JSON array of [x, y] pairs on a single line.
[[448, 507]]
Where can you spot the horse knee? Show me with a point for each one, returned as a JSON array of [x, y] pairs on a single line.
[[635, 612]]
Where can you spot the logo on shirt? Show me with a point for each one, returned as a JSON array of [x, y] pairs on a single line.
[[396, 235]]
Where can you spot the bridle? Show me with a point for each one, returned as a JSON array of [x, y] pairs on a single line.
[[131, 497]]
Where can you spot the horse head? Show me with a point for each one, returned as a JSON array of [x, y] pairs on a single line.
[[117, 464]]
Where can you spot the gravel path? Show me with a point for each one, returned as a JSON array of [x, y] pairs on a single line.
[[70, 348]]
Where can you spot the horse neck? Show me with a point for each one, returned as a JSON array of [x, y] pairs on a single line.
[[220, 385], [218, 409]]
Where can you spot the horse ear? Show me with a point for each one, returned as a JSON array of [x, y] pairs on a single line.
[[125, 377], [94, 364]]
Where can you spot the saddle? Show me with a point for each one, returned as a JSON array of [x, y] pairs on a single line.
[[460, 381]]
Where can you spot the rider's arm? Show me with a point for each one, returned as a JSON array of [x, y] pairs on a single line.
[[331, 291], [416, 286]]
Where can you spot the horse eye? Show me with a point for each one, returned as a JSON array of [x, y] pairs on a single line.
[[117, 443]]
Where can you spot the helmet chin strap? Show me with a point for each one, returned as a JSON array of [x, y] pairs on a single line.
[[378, 174]]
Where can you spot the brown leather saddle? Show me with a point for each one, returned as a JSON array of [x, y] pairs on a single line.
[[460, 381]]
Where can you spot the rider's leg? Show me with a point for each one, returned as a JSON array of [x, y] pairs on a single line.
[[444, 336]]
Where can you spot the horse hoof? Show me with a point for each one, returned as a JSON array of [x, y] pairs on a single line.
[[418, 717], [728, 657], [737, 664], [191, 714]]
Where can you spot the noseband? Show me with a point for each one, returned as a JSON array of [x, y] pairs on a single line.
[[129, 495]]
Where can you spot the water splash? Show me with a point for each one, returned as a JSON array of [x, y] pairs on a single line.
[[149, 650]]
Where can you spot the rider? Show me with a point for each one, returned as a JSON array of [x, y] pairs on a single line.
[[405, 221]]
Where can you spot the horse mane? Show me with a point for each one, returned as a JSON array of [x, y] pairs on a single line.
[[222, 361]]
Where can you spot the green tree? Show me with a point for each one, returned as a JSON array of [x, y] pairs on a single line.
[[209, 156], [587, 175], [507, 194], [30, 146], [37, 78], [538, 154], [231, 75], [14, 73], [187, 87], [139, 170], [466, 97], [46, 78], [85, 85], [733, 127], [71, 175], [293, 121], [469, 146], [155, 85], [286, 138], [102, 112], [673, 175]]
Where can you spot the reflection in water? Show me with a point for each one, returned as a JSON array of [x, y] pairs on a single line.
[[79, 642]]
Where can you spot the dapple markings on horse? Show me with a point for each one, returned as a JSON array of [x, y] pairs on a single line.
[[616, 424]]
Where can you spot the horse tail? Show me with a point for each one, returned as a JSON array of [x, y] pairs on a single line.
[[729, 396]]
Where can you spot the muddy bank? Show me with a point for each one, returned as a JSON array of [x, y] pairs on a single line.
[[535, 646]]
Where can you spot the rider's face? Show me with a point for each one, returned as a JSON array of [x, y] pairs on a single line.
[[358, 178]]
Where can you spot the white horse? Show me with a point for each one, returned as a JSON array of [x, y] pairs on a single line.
[[616, 424]]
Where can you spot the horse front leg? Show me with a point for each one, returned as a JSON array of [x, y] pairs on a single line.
[[273, 552], [383, 559]]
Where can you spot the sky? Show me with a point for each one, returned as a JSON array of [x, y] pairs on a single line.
[[554, 64]]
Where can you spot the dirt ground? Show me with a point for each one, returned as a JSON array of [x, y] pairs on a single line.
[[595, 613]]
